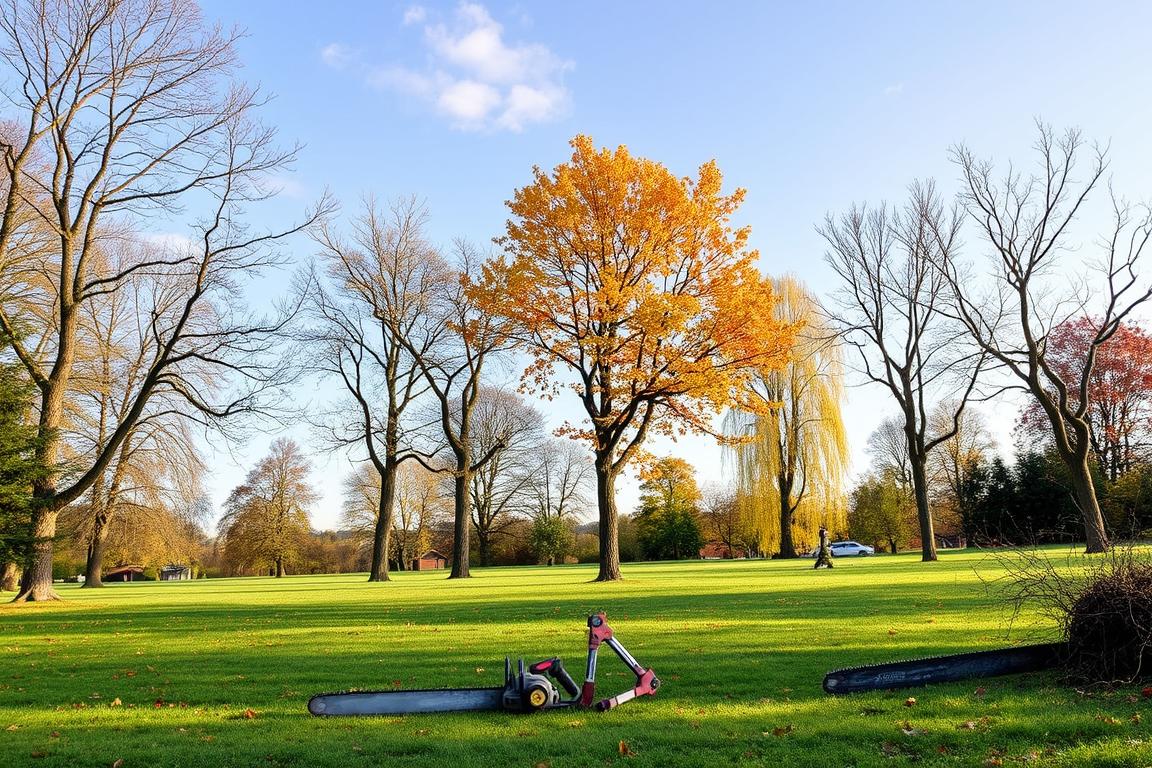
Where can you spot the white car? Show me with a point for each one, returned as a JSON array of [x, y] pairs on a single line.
[[850, 548], [846, 549]]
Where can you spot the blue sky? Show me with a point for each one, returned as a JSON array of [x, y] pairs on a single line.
[[809, 106]]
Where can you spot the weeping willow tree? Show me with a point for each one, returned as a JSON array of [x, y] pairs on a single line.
[[792, 456]]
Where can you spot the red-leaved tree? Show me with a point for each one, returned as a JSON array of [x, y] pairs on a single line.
[[1119, 391]]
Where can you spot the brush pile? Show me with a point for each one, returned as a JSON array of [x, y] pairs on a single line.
[[1102, 605], [1108, 626]]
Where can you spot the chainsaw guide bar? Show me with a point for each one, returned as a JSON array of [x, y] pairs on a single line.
[[944, 669], [406, 702]]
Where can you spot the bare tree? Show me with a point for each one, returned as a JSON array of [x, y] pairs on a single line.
[[456, 340], [129, 111], [1028, 224], [509, 432], [367, 321], [725, 521], [888, 447], [561, 480], [419, 506], [956, 459], [157, 464], [892, 264]]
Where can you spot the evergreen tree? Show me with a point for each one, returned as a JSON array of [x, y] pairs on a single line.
[[17, 472]]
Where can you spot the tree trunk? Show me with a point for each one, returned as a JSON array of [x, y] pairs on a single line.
[[485, 547], [923, 511], [279, 567], [94, 566], [609, 524], [787, 544], [381, 538], [892, 545], [462, 524], [1084, 490], [9, 576], [37, 583]]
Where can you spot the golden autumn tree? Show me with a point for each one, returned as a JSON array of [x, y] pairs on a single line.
[[793, 460], [634, 283]]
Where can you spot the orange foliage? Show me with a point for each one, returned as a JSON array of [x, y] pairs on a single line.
[[636, 281]]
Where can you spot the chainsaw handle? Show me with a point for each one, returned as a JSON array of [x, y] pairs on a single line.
[[555, 668]]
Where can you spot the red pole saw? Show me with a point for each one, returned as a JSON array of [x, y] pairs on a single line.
[[527, 689]]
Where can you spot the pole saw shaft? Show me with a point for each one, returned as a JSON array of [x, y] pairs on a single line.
[[527, 689]]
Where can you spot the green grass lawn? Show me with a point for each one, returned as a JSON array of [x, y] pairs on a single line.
[[171, 674]]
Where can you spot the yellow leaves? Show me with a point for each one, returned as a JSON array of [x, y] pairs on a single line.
[[636, 280]]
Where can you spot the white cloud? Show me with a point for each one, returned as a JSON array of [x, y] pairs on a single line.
[[894, 90], [526, 104], [415, 14], [468, 101], [336, 55], [477, 79]]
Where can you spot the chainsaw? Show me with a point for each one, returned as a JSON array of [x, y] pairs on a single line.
[[944, 669], [527, 688]]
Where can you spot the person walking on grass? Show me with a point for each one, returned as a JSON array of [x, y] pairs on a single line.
[[824, 557]]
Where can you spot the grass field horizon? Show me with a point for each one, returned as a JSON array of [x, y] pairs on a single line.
[[218, 672]]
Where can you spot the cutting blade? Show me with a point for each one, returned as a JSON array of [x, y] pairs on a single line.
[[406, 702], [943, 669]]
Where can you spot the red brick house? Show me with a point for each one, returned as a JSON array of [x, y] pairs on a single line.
[[429, 561]]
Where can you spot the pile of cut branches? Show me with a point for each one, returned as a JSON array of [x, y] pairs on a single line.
[[1103, 610]]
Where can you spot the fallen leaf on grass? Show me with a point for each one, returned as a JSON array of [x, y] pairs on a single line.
[[12, 727], [994, 761], [1108, 719], [118, 762], [626, 750], [542, 765], [907, 729], [39, 755], [115, 702], [249, 714], [979, 692], [781, 730], [969, 725], [1147, 692], [1137, 719], [910, 701]]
